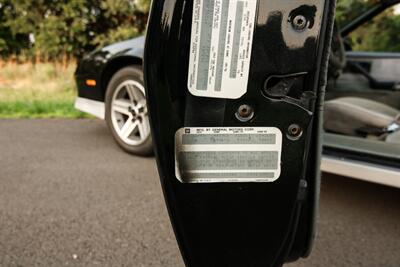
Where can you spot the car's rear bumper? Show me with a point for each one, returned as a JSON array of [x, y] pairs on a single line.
[[95, 108]]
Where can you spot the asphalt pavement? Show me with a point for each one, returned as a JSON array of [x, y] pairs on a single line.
[[70, 197]]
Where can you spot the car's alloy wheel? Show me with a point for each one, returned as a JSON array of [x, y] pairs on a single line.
[[129, 113], [126, 111]]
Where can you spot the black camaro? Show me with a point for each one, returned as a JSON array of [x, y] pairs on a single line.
[[111, 87], [362, 112]]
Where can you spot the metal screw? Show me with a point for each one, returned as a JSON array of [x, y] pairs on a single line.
[[245, 113], [294, 132], [299, 23]]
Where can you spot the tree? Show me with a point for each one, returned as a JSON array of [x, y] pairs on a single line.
[[10, 43], [58, 28], [380, 34], [119, 20], [347, 10]]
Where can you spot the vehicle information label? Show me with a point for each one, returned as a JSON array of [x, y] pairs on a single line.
[[221, 45], [218, 155]]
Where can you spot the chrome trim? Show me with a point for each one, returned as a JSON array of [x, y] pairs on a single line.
[[362, 171]]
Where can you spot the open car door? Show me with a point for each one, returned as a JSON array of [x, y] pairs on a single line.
[[362, 108], [235, 90]]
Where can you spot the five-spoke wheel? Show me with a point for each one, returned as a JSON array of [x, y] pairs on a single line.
[[126, 111]]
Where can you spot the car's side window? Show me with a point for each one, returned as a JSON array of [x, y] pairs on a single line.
[[381, 34], [348, 10], [373, 50]]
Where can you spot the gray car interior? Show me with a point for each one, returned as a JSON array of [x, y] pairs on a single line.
[[354, 108]]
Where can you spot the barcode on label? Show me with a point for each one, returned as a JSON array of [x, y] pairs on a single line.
[[221, 45]]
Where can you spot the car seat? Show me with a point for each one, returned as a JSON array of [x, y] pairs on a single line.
[[362, 117]]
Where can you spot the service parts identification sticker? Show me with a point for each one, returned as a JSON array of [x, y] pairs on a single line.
[[221, 45], [222, 155]]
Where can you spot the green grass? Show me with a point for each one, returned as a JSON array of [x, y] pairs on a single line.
[[41, 91], [39, 109]]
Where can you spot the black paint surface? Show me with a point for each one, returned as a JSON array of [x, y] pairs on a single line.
[[263, 224]]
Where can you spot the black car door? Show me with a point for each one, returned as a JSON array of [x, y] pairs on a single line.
[[235, 89]]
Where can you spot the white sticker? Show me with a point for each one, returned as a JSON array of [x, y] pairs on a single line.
[[221, 46], [222, 155]]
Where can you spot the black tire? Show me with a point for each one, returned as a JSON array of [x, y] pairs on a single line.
[[126, 74]]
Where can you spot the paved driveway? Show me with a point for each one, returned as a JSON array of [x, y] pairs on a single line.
[[70, 197]]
